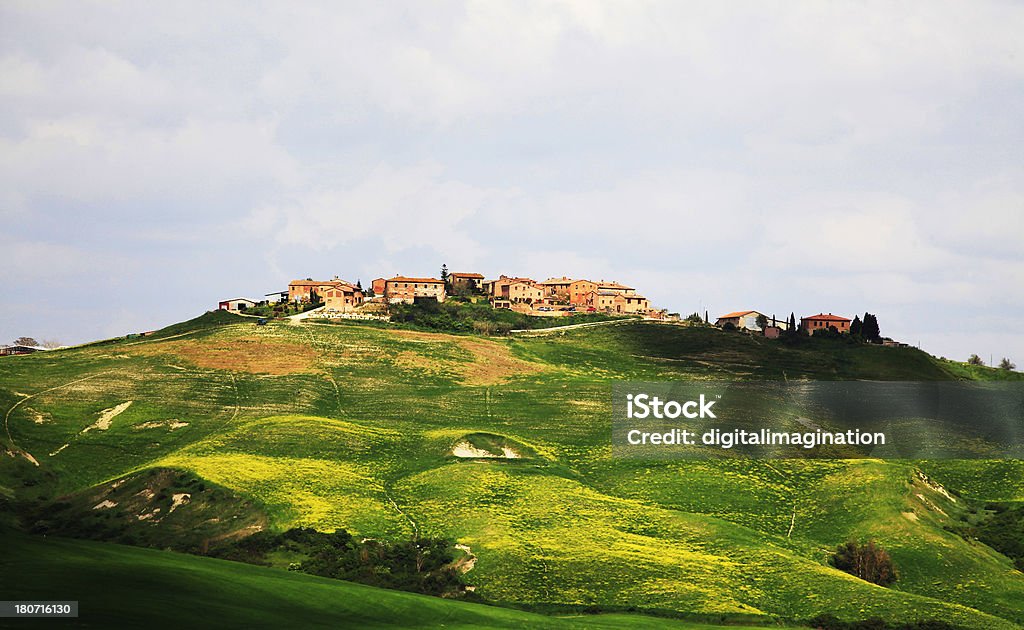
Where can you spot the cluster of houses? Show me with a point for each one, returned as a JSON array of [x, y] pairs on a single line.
[[554, 296], [551, 297], [772, 327]]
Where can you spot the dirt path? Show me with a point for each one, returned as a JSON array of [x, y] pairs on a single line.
[[415, 527], [527, 332], [298, 317], [792, 520]]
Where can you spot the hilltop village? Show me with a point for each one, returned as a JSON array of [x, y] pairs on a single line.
[[555, 297]]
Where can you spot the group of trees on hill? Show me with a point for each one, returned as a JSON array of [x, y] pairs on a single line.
[[421, 565], [866, 329], [867, 561], [1005, 364], [31, 341]]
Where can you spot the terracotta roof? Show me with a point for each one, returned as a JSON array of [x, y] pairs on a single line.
[[828, 318], [736, 314], [424, 280], [515, 279], [465, 275], [319, 283], [612, 285], [558, 281]]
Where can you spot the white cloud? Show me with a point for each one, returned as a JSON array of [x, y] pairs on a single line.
[[398, 208]]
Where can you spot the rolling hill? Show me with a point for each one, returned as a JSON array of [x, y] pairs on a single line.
[[361, 427]]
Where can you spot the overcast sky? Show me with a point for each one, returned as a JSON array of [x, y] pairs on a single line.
[[805, 157]]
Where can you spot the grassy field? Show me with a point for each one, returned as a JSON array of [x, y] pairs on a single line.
[[355, 427], [144, 587]]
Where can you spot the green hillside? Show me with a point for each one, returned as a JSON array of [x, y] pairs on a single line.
[[144, 587], [361, 428]]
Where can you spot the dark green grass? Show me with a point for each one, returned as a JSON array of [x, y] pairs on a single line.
[[130, 587]]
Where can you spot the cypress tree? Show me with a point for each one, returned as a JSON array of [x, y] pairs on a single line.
[[856, 327]]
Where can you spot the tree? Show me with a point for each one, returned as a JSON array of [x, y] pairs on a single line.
[[444, 278], [51, 343], [762, 322], [867, 561], [792, 322], [870, 330], [856, 327], [975, 360], [25, 341], [1007, 365]]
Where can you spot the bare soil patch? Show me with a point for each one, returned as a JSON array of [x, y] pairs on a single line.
[[251, 354], [492, 362]]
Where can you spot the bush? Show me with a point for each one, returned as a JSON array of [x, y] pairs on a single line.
[[867, 561], [423, 565], [471, 317]]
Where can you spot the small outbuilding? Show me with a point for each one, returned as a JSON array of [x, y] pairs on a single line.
[[236, 304]]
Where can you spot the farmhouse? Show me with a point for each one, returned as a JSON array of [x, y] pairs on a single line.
[[19, 349], [343, 297], [499, 289], [616, 302], [824, 322], [303, 290], [557, 289], [236, 304], [524, 293], [406, 289], [746, 320], [465, 282], [579, 290]]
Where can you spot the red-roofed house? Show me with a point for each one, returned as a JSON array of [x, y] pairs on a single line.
[[740, 319], [580, 290], [824, 322], [342, 297], [302, 290]]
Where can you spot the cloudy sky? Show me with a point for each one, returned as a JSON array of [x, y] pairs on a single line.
[[806, 157]]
